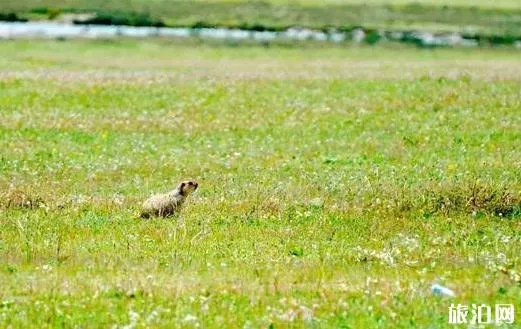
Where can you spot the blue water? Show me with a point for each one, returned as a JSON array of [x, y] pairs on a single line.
[[63, 30]]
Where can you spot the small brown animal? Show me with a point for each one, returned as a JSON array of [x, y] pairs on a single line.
[[168, 204]]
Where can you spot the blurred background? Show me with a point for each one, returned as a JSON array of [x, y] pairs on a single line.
[[427, 23]]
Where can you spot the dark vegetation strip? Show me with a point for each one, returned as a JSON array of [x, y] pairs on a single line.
[[11, 17], [371, 35], [471, 198], [492, 26], [260, 16]]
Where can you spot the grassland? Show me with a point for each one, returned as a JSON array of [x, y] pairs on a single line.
[[454, 3], [337, 184], [483, 17]]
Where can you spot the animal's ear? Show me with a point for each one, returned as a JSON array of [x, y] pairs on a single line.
[[183, 184]]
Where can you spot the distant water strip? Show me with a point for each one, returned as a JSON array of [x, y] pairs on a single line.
[[55, 30]]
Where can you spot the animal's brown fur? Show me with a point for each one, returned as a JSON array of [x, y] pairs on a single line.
[[168, 204]]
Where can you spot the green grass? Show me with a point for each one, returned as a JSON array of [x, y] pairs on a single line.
[[459, 3], [336, 184], [483, 17]]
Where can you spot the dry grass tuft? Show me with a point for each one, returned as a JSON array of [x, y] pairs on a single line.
[[475, 198], [20, 199]]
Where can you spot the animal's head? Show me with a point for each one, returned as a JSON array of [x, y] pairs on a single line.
[[187, 187]]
